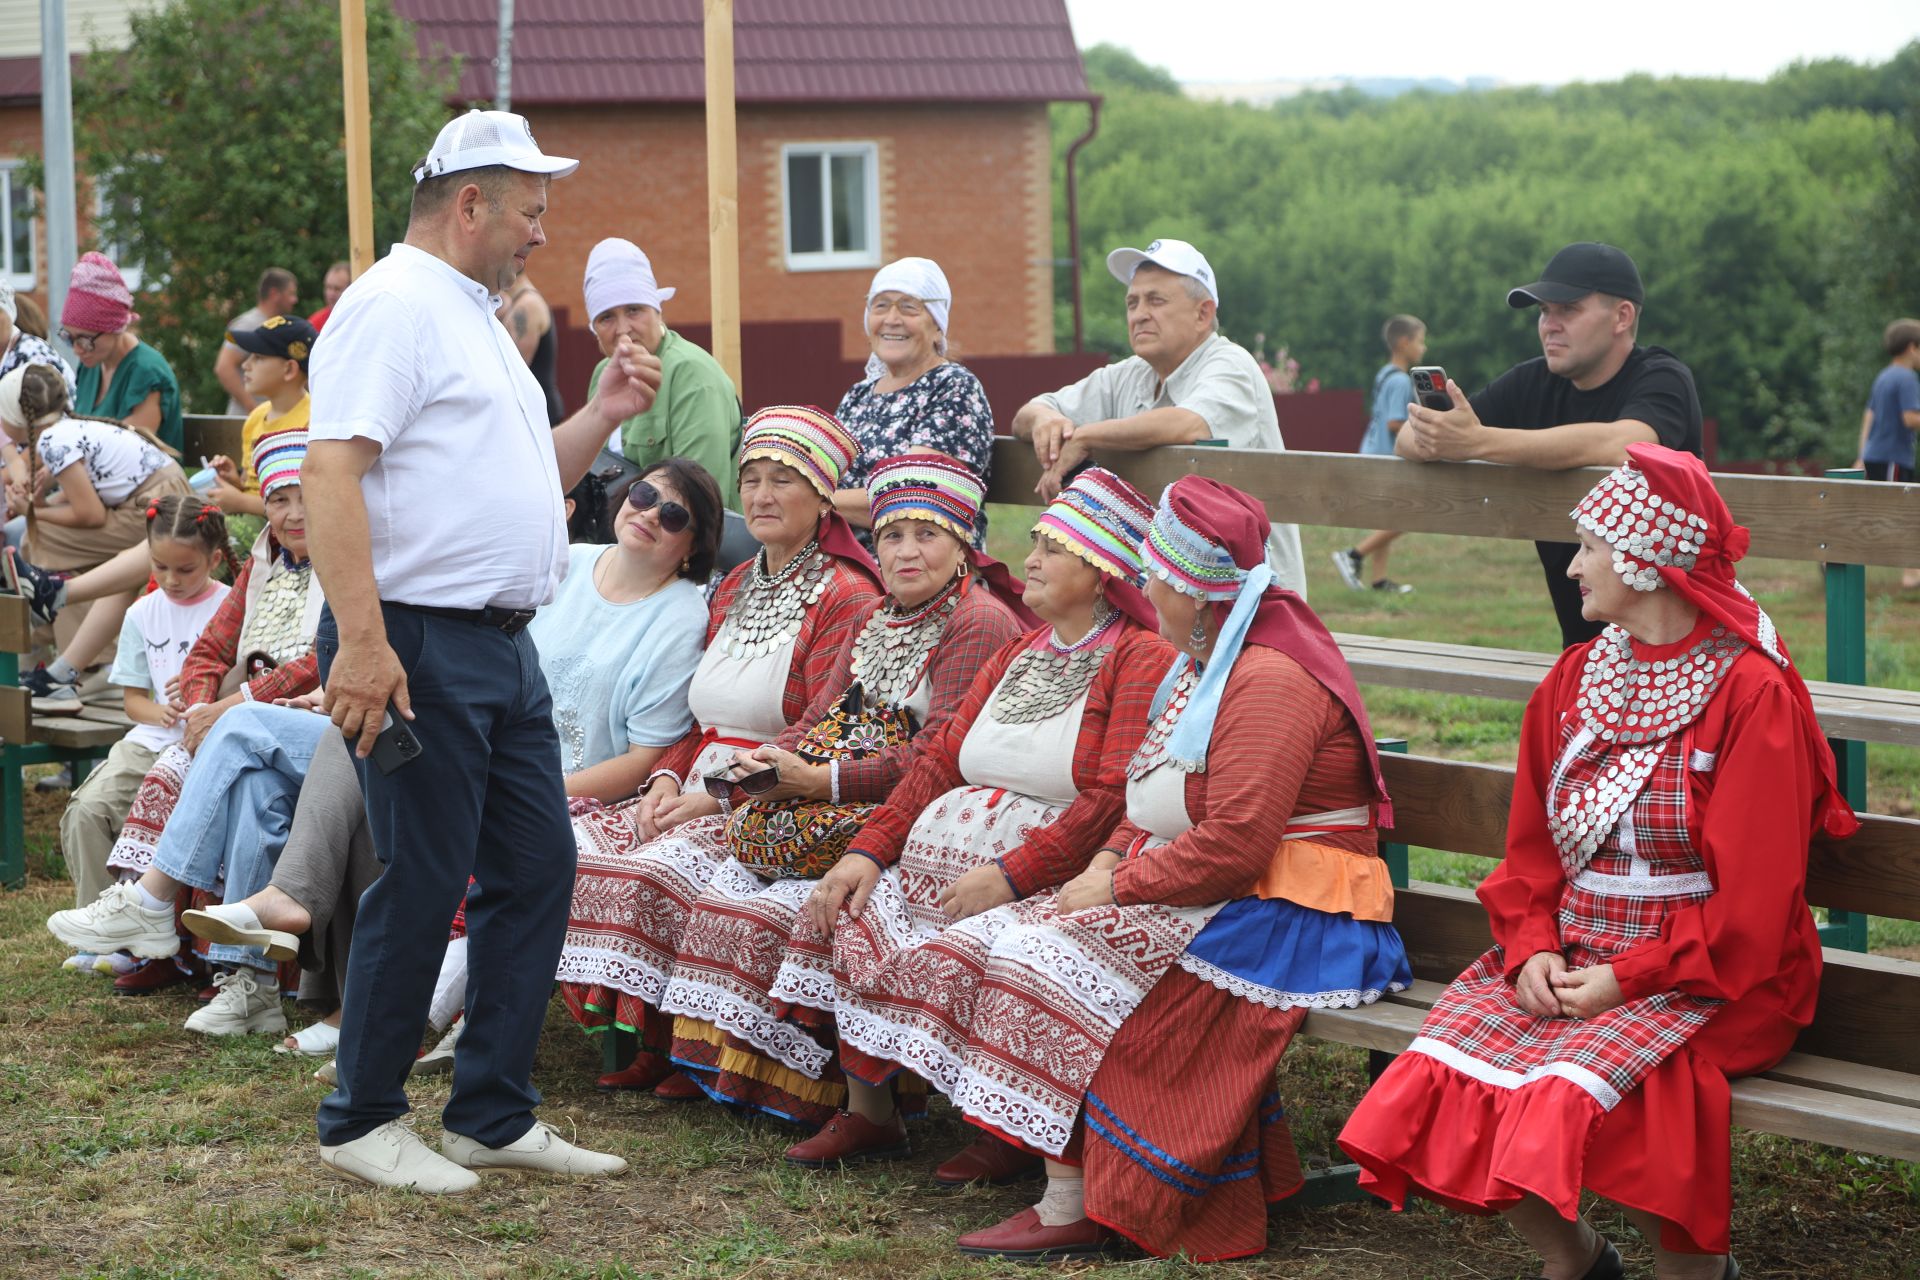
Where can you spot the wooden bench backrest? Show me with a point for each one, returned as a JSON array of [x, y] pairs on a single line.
[[1869, 1005], [204, 435], [1791, 518]]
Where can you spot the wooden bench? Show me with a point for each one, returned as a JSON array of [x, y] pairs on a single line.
[[1853, 1080], [27, 739]]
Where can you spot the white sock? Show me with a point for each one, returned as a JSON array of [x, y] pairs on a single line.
[[63, 671], [150, 902], [1064, 1204]]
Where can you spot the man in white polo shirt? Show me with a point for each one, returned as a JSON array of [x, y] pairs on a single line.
[[434, 485], [1183, 383]]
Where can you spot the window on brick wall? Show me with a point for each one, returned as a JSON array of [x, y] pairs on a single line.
[[16, 227], [830, 195]]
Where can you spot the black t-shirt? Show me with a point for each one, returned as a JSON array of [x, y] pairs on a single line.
[[1652, 387]]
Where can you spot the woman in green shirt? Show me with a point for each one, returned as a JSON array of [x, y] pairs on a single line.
[[697, 411], [120, 377]]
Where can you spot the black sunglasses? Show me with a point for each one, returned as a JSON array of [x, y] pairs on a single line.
[[673, 517], [757, 783]]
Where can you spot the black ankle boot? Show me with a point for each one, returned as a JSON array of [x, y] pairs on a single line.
[[1609, 1267]]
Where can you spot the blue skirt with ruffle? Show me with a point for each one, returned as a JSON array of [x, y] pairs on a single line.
[[1283, 955]]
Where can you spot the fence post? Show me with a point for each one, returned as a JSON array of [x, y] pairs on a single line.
[[1847, 664], [1392, 852], [13, 804]]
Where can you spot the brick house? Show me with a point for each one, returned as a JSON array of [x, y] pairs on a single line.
[[867, 130]]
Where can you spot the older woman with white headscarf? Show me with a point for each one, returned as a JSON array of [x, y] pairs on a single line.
[[697, 412], [912, 399]]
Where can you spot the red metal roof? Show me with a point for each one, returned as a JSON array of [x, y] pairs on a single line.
[[788, 51]]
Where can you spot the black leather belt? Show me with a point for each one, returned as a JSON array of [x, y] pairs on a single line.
[[510, 621]]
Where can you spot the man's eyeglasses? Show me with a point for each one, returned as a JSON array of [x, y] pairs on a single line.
[[79, 341], [643, 497]]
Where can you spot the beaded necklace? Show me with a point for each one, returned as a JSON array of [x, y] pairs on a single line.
[[891, 651], [1041, 683], [770, 608]]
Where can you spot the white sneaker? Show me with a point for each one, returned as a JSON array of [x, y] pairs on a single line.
[[116, 964], [394, 1156], [539, 1149], [244, 1006], [439, 1059], [118, 920], [80, 962]]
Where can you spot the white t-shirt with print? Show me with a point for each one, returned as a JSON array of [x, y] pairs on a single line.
[[154, 641], [117, 460]]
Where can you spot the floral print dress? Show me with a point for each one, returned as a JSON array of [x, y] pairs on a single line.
[[944, 408]]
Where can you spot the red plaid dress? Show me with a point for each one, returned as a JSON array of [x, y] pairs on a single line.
[[1695, 898]]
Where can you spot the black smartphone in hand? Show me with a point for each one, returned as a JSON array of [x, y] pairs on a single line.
[[1430, 387], [396, 746]]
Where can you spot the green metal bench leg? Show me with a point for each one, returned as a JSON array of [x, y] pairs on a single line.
[[618, 1049], [13, 820], [1847, 664]]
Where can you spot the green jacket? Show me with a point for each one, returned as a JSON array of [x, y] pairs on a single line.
[[696, 415]]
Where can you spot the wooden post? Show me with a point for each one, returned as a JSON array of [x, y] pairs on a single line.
[[353, 78], [723, 192]]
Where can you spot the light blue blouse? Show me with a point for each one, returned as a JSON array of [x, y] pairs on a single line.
[[618, 672]]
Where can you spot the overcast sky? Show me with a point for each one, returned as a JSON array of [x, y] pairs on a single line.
[[1524, 43]]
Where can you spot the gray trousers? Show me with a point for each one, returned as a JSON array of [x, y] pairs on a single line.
[[327, 864]]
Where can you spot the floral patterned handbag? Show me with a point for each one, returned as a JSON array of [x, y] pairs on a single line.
[[801, 839]]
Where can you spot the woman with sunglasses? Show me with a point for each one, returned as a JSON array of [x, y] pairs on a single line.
[[899, 684], [775, 630], [120, 377]]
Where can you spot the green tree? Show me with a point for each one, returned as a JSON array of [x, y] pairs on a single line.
[[218, 134], [1773, 221], [1109, 67]]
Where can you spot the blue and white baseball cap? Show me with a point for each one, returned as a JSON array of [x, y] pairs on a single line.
[[1176, 256], [480, 139]]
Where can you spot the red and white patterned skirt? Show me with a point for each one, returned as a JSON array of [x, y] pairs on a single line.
[[153, 804]]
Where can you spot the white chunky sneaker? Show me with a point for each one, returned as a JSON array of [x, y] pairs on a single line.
[[439, 1059], [245, 1006], [117, 920], [394, 1156], [539, 1149]]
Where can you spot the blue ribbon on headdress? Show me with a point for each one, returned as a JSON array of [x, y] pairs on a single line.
[[1187, 744]]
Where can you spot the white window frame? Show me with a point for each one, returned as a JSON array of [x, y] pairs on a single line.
[[830, 259], [29, 278]]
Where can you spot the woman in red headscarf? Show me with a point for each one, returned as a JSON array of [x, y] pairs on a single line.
[[1652, 933], [1128, 1027]]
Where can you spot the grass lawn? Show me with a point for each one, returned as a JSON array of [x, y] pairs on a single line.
[[137, 1151]]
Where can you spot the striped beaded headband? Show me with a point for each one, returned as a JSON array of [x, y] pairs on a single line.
[[930, 487], [1645, 530], [1103, 520], [276, 459], [1189, 561], [810, 441]]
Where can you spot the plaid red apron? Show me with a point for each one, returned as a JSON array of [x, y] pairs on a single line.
[[1645, 868]]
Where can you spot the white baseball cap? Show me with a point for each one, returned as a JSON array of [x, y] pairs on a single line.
[[1176, 256], [479, 139]]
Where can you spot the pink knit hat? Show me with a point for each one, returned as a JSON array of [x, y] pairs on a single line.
[[98, 300]]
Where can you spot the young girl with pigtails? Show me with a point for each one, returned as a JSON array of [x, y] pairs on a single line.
[[186, 538]]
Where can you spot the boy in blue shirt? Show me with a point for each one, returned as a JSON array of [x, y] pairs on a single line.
[[1892, 418], [1406, 339]]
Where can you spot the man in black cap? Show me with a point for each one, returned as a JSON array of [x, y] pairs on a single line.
[[1592, 392]]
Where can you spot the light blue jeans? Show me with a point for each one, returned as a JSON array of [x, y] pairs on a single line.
[[237, 805]]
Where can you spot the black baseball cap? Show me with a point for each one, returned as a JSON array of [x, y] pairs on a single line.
[[1581, 269], [289, 337]]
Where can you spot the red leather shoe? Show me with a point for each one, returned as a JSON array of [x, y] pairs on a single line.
[[988, 1160], [678, 1087], [148, 978], [1021, 1238], [643, 1073], [848, 1138]]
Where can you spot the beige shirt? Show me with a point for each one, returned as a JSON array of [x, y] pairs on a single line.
[[1220, 382]]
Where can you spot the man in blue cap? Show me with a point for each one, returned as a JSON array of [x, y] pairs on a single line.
[[1591, 392]]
